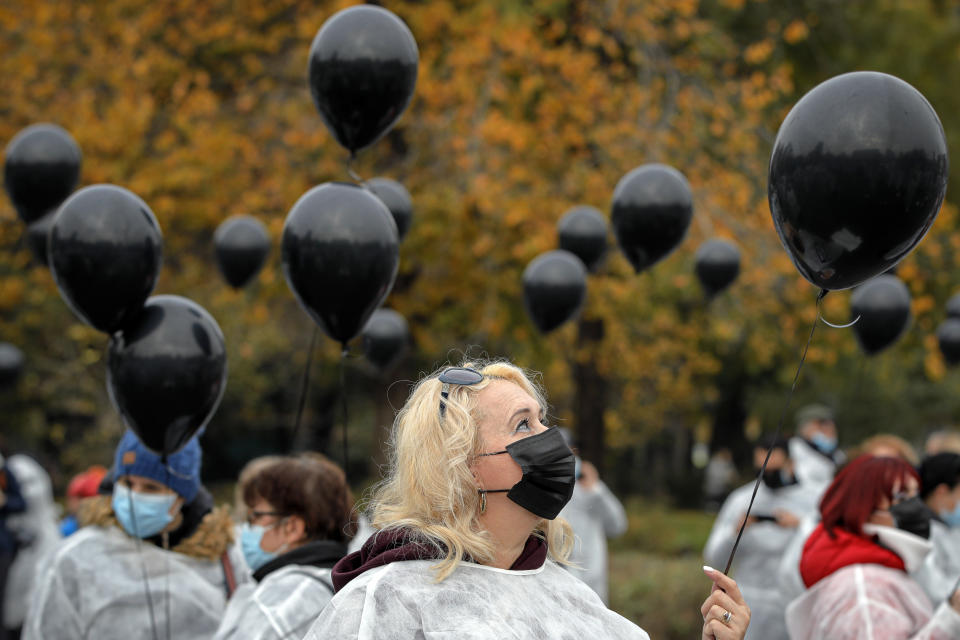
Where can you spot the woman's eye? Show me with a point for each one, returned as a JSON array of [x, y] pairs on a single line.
[[523, 426]]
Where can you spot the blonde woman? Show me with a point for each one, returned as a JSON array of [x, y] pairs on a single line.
[[466, 525]]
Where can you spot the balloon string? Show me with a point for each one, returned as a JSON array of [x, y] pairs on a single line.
[[763, 468], [143, 564], [166, 547], [304, 383], [823, 294], [346, 419], [353, 174]]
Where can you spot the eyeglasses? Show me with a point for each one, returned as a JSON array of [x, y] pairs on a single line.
[[456, 375], [253, 516]]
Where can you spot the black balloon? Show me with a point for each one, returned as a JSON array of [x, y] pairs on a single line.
[[953, 306], [11, 365], [554, 288], [340, 256], [105, 251], [857, 176], [384, 338], [38, 237], [397, 198], [883, 306], [42, 167], [948, 337], [583, 232], [652, 209], [363, 69], [241, 244], [717, 265], [166, 371]]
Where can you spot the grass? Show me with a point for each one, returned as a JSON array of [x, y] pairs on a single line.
[[656, 578]]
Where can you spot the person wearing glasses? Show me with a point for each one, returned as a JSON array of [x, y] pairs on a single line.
[[153, 560], [856, 563], [298, 522], [467, 542]]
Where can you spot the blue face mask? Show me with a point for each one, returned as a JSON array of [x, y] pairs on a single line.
[[142, 515], [250, 538], [952, 518], [824, 443]]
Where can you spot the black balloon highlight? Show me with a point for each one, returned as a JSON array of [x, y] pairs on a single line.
[[953, 306], [398, 201], [105, 252], [554, 288], [948, 337], [717, 265], [42, 167], [340, 256], [583, 232], [652, 209], [362, 72], [857, 176], [11, 365], [241, 244], [166, 372], [38, 237], [384, 338], [883, 306]]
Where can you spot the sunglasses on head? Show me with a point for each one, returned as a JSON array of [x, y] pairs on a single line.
[[456, 375]]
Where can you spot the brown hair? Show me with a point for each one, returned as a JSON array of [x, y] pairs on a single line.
[[309, 486]]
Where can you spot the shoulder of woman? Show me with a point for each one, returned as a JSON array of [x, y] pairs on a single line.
[[214, 536]]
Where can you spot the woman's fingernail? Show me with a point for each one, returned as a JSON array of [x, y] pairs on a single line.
[[707, 569]]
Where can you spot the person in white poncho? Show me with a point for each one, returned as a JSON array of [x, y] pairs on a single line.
[[466, 522]]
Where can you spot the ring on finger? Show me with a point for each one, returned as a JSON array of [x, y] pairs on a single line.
[[726, 617]]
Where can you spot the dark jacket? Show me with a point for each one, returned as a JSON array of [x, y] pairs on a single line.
[[14, 503]]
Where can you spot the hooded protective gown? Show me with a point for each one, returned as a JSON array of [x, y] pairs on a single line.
[[594, 514], [941, 569], [403, 600], [38, 526], [758, 557], [93, 584], [812, 466], [869, 602]]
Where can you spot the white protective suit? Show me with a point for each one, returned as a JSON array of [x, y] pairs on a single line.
[[38, 526], [869, 602], [283, 605], [791, 582], [761, 549], [94, 587], [941, 568], [364, 531], [402, 600], [594, 514], [811, 466]]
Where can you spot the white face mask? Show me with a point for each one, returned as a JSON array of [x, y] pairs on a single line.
[[911, 548]]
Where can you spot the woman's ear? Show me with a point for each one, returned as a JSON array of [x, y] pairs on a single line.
[[296, 529]]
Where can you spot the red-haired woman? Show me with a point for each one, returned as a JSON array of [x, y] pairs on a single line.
[[855, 563]]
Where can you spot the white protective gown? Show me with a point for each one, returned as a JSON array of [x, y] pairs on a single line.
[[93, 587], [594, 514], [38, 526], [283, 605], [869, 602], [811, 466], [941, 568], [761, 549], [402, 600]]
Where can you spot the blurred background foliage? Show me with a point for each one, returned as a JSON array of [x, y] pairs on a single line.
[[522, 110]]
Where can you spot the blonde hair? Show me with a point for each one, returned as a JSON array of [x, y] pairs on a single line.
[[430, 489], [883, 441]]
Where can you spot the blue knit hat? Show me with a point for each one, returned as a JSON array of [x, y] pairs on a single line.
[[181, 473]]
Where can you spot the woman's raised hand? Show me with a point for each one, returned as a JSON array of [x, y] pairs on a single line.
[[726, 615]]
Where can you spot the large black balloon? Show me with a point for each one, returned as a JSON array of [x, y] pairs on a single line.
[[166, 371], [717, 265], [857, 176], [105, 251], [583, 232], [11, 365], [340, 256], [397, 198], [363, 68], [241, 244], [385, 337], [38, 237], [652, 209], [948, 337], [883, 305], [953, 306], [42, 167], [554, 288]]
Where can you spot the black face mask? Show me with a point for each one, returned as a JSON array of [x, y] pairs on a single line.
[[913, 515], [778, 479], [548, 473]]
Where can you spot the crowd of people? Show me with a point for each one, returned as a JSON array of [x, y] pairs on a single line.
[[486, 524]]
